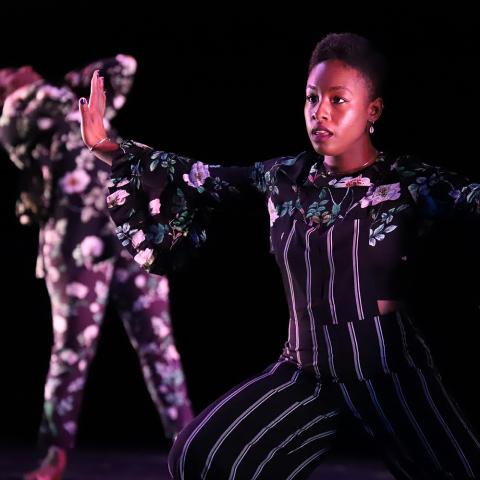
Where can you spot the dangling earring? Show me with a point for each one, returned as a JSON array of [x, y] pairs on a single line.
[[371, 129]]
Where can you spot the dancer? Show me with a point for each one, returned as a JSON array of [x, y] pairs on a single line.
[[62, 190], [344, 222]]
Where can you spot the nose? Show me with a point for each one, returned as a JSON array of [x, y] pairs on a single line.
[[320, 111]]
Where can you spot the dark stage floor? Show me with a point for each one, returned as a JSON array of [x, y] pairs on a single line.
[[88, 465]]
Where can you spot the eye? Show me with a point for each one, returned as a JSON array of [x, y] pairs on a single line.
[[338, 100], [311, 98]]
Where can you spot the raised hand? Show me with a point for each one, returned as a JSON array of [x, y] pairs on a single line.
[[92, 113]]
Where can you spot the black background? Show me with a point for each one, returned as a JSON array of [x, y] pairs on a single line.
[[227, 86]]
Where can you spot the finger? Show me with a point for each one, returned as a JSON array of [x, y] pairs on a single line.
[[102, 104], [83, 108], [94, 89], [97, 86], [102, 97]]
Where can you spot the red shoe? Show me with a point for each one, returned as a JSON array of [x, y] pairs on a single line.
[[52, 467]]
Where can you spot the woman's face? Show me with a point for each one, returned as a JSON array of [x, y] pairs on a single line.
[[338, 107]]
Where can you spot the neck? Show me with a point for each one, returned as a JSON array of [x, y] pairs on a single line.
[[356, 158]]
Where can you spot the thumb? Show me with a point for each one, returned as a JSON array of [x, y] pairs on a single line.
[[82, 103], [83, 108]]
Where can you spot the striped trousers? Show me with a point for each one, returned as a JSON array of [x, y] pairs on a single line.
[[279, 425]]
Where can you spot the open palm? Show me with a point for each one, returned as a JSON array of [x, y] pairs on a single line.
[[93, 111]]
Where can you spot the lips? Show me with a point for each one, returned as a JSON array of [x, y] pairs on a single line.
[[321, 129], [321, 134]]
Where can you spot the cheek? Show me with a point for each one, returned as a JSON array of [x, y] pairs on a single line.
[[306, 114], [352, 122]]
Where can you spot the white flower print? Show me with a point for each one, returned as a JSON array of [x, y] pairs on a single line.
[[101, 289], [75, 182], [154, 206], [117, 198], [90, 334], [272, 211], [163, 289], [59, 324], [145, 257], [138, 238], [346, 182], [77, 290], [161, 329], [91, 246], [381, 194], [140, 281]]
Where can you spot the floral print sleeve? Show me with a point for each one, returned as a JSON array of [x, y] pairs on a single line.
[[438, 191], [160, 201]]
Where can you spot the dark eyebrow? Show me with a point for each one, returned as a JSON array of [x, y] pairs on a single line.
[[338, 87]]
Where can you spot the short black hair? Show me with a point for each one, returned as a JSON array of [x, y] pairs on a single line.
[[355, 51]]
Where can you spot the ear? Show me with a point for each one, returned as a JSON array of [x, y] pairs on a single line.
[[375, 109]]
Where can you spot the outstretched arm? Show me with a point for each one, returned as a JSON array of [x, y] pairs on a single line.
[[159, 200]]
